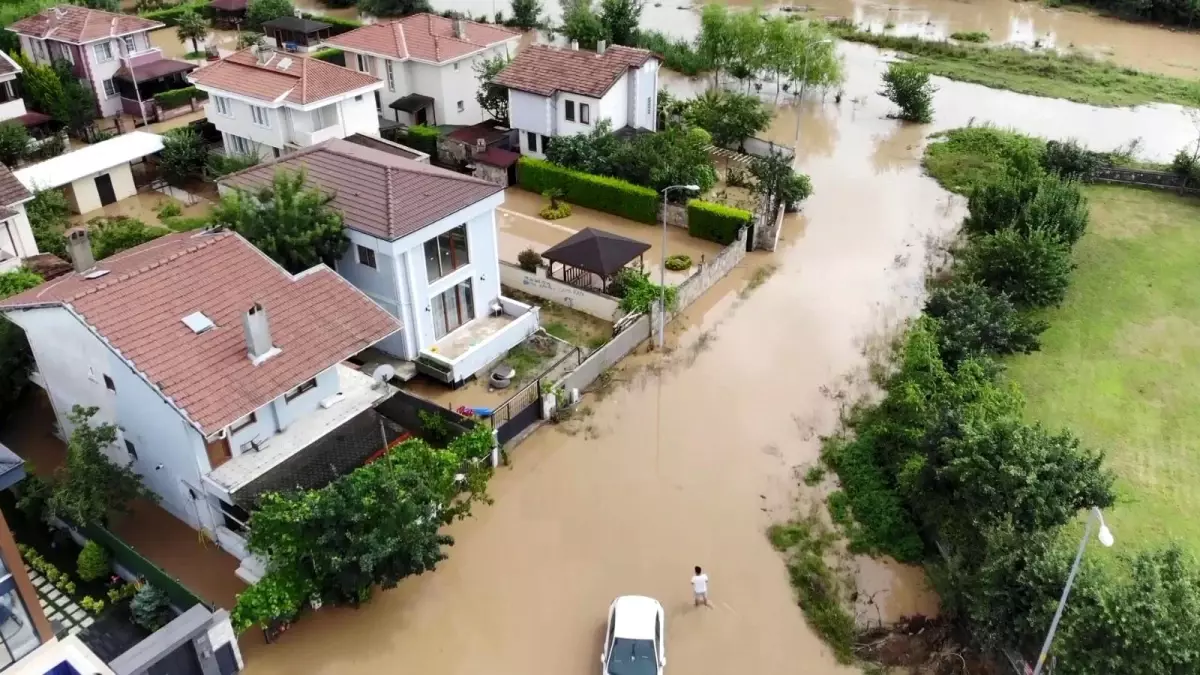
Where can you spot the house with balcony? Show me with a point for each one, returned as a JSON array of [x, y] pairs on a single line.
[[269, 103], [563, 91], [111, 53], [221, 371], [427, 63], [12, 106], [16, 236], [423, 245]]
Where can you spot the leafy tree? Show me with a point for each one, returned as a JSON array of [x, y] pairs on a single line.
[[150, 607], [581, 23], [1070, 160], [593, 152], [1028, 203], [14, 143], [393, 7], [260, 11], [369, 528], [75, 105], [717, 43], [48, 214], [192, 26], [17, 281], [112, 235], [292, 224], [1033, 269], [908, 86], [106, 5], [184, 155], [89, 485], [93, 562], [526, 13], [492, 98], [778, 182], [748, 54], [972, 321], [730, 117], [671, 157], [15, 357], [620, 19]]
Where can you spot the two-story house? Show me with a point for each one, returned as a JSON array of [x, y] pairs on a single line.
[[423, 244], [428, 65], [111, 53], [16, 236], [557, 91], [12, 106], [268, 103], [218, 368]]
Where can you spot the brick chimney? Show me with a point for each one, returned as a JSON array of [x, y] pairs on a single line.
[[258, 334], [79, 246]]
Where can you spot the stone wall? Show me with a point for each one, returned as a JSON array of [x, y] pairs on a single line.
[[710, 272], [1142, 177], [492, 174], [674, 214], [595, 304], [607, 356]]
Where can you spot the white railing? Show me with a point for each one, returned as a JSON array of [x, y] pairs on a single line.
[[308, 138]]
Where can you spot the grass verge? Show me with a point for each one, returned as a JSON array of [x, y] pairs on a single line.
[[1070, 76]]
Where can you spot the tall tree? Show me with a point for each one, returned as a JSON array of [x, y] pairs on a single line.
[[908, 86], [492, 98], [184, 155], [393, 7], [526, 13], [192, 26], [14, 143], [90, 486], [294, 225], [15, 357], [106, 5], [716, 42], [259, 11], [729, 116], [581, 23], [620, 19], [48, 212]]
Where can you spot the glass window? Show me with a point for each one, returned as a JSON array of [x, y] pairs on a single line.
[[242, 423], [366, 257], [585, 113], [17, 635], [259, 115], [364, 63], [298, 391], [325, 116], [67, 53], [532, 140], [239, 145], [110, 88], [451, 309], [570, 111], [108, 382], [446, 253], [130, 44], [391, 77], [222, 104], [103, 52]]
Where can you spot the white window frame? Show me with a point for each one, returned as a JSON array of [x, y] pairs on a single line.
[[391, 76], [130, 42], [366, 257], [260, 116], [67, 53], [106, 55], [239, 145], [243, 422], [585, 113], [222, 106], [110, 82], [364, 63]]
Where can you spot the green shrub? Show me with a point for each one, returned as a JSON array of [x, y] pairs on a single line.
[[973, 321], [178, 97], [555, 212], [678, 262], [424, 138], [93, 562], [186, 224], [118, 233], [976, 36], [338, 24], [1028, 203], [330, 54], [91, 605], [1070, 160], [169, 210], [677, 54], [529, 260], [150, 607], [597, 192], [171, 15], [716, 222], [638, 293], [1033, 269]]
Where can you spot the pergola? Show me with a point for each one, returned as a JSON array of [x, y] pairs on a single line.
[[229, 12], [591, 253], [291, 30]]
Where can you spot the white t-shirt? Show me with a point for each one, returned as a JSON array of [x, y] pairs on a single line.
[[700, 583]]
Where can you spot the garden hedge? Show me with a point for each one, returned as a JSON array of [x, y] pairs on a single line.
[[716, 222], [330, 54], [178, 97], [424, 138], [338, 25], [595, 192], [170, 15]]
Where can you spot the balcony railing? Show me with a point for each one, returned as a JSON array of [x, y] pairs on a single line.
[[307, 138]]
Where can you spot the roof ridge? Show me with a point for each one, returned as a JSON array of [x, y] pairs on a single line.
[[304, 82], [409, 165], [402, 42], [391, 199], [216, 237]]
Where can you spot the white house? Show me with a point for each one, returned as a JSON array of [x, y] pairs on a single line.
[[12, 105], [94, 176], [16, 236], [111, 53], [217, 367], [558, 91], [423, 246], [428, 65], [269, 103]]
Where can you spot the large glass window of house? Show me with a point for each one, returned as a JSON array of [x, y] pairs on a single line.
[[325, 117], [451, 309], [17, 635], [446, 253]]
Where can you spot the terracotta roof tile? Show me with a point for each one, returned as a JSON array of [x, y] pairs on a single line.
[[543, 69], [425, 37], [379, 193], [291, 77], [11, 189], [7, 65], [317, 320], [77, 25]]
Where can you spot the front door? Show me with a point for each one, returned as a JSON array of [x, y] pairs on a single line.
[[422, 116], [378, 104], [104, 188]]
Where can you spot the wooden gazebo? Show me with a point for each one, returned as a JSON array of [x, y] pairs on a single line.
[[294, 34], [590, 254]]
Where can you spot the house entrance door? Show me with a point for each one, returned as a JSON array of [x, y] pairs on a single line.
[[104, 188], [422, 116]]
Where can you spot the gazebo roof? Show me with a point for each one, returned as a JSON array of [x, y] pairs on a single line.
[[596, 251]]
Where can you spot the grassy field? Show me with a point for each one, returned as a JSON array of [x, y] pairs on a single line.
[[1073, 77], [1120, 363]]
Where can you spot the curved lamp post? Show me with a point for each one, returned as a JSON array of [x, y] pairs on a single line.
[[1105, 536], [662, 271]]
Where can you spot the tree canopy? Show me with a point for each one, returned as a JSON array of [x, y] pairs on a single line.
[[390, 8], [908, 86], [192, 26], [261, 11], [729, 116], [526, 14], [15, 357], [90, 486], [492, 98], [184, 155]]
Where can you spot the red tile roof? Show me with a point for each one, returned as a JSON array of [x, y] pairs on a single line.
[[543, 69], [290, 77], [425, 37], [7, 65], [11, 189], [379, 193], [317, 320], [77, 25]]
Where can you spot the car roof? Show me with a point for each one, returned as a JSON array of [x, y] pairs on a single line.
[[635, 617]]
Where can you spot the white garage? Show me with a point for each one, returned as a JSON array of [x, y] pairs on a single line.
[[95, 176]]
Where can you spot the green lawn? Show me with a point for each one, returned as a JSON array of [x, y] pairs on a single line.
[[1120, 364]]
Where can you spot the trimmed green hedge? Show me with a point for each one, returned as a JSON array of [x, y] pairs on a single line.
[[330, 54], [715, 222], [337, 24], [424, 138], [595, 192], [178, 97], [170, 15]]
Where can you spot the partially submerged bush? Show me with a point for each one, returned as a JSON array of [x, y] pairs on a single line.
[[529, 260], [678, 262]]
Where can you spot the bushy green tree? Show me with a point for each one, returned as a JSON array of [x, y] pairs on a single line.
[[1033, 269], [150, 607], [393, 7], [1070, 160], [15, 357], [48, 214], [93, 562], [778, 182], [620, 19], [90, 486], [581, 23], [973, 321], [14, 143], [492, 98], [526, 14], [671, 157], [294, 225], [593, 152], [111, 235], [192, 26], [1027, 203], [908, 86], [184, 155], [260, 11], [729, 116]]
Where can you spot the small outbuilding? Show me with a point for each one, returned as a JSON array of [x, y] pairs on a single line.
[[296, 34], [590, 258], [95, 176], [229, 13]]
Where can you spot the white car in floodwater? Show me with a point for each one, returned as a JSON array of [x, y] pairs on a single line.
[[633, 643]]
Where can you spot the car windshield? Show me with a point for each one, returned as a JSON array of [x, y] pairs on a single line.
[[632, 657]]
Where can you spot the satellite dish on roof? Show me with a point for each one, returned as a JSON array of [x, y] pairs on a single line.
[[382, 374]]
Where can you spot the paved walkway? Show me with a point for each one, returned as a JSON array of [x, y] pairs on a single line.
[[66, 617]]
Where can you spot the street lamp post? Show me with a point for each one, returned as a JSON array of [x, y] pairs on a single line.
[[804, 83], [662, 271], [1105, 536]]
